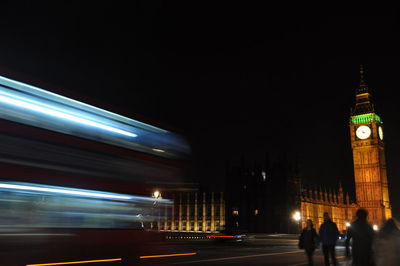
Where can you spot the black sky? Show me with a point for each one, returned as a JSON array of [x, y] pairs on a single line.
[[238, 80]]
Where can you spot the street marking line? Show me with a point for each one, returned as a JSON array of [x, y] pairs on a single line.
[[167, 255], [238, 257], [304, 263], [74, 262]]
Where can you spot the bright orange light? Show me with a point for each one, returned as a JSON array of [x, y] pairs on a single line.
[[73, 262], [167, 255]]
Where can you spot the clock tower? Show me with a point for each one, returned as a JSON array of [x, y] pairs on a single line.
[[367, 142]]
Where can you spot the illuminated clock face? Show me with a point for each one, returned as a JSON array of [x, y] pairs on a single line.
[[363, 132], [380, 132]]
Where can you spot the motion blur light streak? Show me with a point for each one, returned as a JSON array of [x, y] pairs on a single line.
[[158, 150], [59, 207], [46, 94], [59, 114], [168, 255], [64, 191], [74, 262], [36, 107]]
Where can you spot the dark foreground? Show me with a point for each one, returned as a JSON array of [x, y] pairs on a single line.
[[256, 250]]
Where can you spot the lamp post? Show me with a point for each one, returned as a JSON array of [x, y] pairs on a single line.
[[297, 218], [156, 195]]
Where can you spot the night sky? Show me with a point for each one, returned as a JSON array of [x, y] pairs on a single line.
[[235, 81]]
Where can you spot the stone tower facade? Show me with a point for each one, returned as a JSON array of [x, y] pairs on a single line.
[[367, 142], [371, 185]]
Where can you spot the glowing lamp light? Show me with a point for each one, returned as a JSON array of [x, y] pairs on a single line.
[[375, 227], [347, 224], [156, 194], [296, 216]]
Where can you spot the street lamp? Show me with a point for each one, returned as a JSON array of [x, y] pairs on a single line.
[[297, 217], [156, 195], [375, 227]]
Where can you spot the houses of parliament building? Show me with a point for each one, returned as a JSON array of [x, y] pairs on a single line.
[[262, 207], [371, 185], [263, 197]]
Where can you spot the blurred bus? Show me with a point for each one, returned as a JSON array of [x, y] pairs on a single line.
[[74, 173]]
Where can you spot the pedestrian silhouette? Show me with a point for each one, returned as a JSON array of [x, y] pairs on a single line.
[[362, 236], [328, 234], [308, 241], [388, 244]]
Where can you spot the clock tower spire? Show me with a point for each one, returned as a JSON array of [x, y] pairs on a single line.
[[363, 97], [366, 132]]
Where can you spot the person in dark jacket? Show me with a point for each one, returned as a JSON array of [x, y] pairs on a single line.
[[363, 235], [308, 241], [328, 234], [387, 244]]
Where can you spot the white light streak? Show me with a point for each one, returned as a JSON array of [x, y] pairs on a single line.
[[158, 150], [25, 86], [63, 191], [59, 114]]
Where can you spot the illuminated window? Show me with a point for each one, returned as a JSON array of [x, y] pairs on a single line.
[[235, 211], [264, 175], [255, 212]]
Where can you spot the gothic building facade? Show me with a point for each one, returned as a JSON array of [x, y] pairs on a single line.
[[370, 177], [194, 212], [264, 197], [314, 202]]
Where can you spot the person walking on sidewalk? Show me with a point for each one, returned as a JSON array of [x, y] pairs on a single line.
[[363, 236], [328, 234], [387, 244], [308, 241]]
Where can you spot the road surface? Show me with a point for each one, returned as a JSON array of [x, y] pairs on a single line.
[[256, 250]]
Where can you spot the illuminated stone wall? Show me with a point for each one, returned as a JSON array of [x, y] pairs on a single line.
[[195, 212], [313, 204]]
